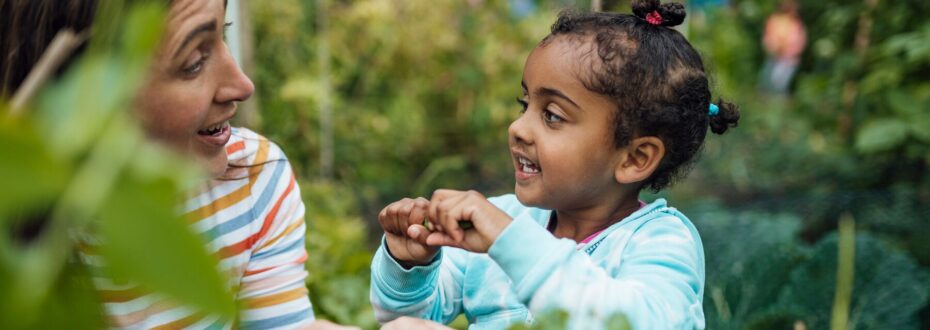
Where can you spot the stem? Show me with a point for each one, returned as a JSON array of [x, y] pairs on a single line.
[[845, 272], [64, 43], [86, 192]]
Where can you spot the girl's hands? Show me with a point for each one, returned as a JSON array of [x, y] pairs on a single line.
[[448, 207], [410, 323], [413, 244], [404, 232]]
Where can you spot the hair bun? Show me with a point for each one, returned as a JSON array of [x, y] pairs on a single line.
[[726, 118], [641, 8], [671, 13]]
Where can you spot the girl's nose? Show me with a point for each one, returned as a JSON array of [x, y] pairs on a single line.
[[519, 131], [234, 85]]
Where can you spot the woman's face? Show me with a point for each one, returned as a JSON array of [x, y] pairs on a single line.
[[194, 84]]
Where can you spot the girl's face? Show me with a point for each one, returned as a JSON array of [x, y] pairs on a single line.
[[194, 84], [562, 144]]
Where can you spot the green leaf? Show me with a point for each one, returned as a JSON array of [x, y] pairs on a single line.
[[75, 304], [143, 30], [145, 241], [889, 287], [73, 112], [903, 104], [751, 255], [881, 135], [32, 176], [920, 127]]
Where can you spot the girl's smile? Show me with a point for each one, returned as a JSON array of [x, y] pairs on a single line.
[[526, 169]]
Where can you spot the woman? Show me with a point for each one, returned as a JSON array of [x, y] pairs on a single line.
[[250, 213]]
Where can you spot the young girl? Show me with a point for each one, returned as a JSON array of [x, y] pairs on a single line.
[[612, 104]]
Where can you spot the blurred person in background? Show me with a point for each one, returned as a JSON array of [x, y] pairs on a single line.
[[784, 40], [250, 211]]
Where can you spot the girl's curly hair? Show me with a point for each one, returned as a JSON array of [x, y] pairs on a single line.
[[655, 78]]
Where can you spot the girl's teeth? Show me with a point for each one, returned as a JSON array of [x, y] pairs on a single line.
[[528, 169], [527, 166]]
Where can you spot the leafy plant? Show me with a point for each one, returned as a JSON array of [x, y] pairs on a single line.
[[83, 173]]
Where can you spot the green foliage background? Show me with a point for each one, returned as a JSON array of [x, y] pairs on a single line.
[[422, 93]]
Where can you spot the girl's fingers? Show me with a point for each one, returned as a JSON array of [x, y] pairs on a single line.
[[393, 218], [441, 239], [438, 197], [403, 215], [449, 214], [454, 216], [419, 212], [418, 233]]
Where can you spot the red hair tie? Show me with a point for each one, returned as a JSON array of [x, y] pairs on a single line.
[[654, 18]]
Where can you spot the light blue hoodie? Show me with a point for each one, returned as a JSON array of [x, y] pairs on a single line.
[[649, 266]]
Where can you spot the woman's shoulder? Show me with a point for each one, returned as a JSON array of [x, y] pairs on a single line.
[[248, 148]]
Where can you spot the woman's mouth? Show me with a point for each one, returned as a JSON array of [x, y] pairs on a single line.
[[217, 134], [214, 130]]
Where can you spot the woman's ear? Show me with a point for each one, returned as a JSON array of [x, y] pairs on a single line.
[[639, 159]]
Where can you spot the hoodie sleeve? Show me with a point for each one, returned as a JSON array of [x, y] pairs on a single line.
[[432, 292], [657, 285]]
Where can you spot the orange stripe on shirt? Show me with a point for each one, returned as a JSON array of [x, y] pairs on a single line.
[[232, 148], [277, 298], [181, 323], [127, 320], [290, 228], [269, 219], [257, 271], [120, 296], [248, 242], [220, 203], [237, 195]]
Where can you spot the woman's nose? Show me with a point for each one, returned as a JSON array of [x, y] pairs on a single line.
[[234, 85]]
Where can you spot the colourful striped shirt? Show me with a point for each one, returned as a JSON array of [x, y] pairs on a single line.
[[253, 222]]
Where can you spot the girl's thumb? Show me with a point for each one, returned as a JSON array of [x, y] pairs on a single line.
[[418, 233]]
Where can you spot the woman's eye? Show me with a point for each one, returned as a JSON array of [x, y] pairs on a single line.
[[523, 104], [226, 28], [196, 67], [551, 117]]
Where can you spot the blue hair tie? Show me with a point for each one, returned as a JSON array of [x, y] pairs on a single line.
[[714, 110]]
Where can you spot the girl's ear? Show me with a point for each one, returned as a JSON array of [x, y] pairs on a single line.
[[639, 159]]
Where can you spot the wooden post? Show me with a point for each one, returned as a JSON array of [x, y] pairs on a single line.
[[240, 41], [850, 91], [326, 107]]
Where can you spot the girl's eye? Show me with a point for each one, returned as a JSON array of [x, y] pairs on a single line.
[[523, 104], [551, 117]]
